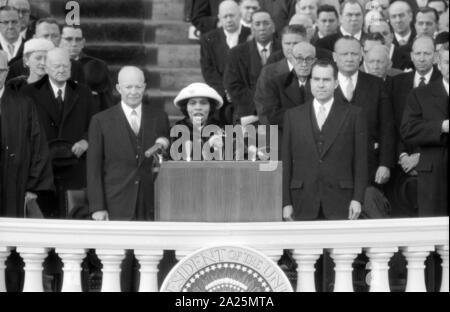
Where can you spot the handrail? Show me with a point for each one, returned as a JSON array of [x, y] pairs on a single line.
[[189, 236]]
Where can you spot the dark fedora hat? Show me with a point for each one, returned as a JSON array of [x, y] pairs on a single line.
[[61, 153]]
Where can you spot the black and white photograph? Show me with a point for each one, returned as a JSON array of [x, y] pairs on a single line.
[[224, 146]]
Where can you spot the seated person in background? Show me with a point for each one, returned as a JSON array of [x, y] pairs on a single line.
[[197, 102], [34, 57]]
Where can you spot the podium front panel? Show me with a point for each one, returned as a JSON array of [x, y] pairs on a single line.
[[218, 191]]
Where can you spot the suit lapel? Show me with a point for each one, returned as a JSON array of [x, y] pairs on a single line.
[[441, 96], [121, 130], [70, 99], [305, 123], [333, 124], [361, 90], [49, 102], [147, 130], [292, 90], [255, 59]]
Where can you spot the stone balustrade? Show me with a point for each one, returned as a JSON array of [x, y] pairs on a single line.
[[344, 240]]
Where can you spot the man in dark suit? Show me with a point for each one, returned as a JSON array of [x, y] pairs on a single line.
[[400, 18], [400, 56], [324, 154], [120, 175], [119, 138], [377, 63], [283, 11], [204, 15], [369, 93], [425, 127], [65, 109], [245, 64], [426, 22], [23, 8], [10, 40], [352, 19], [422, 56], [214, 53], [291, 88], [327, 22], [270, 86], [94, 71]]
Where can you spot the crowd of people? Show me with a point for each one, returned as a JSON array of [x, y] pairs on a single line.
[[357, 88], [378, 52]]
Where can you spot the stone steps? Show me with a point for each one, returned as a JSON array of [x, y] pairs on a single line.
[[150, 34]]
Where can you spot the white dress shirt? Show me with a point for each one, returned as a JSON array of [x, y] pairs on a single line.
[[5, 47], [343, 81], [327, 107], [128, 110], [400, 38], [417, 78], [232, 38], [55, 89], [357, 35], [268, 47], [2, 90], [445, 86]]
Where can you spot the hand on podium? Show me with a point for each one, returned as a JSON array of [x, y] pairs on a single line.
[[288, 213], [101, 215]]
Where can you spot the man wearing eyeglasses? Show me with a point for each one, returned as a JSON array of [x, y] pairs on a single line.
[[23, 9], [10, 40], [95, 71]]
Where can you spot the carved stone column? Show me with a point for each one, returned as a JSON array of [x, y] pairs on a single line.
[[72, 259], [343, 259], [111, 260], [33, 258], [379, 261], [416, 256], [306, 259], [149, 260]]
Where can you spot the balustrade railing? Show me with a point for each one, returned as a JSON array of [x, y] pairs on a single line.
[[344, 240]]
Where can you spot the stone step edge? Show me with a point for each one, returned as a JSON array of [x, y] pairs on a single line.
[[138, 44], [163, 69], [127, 20]]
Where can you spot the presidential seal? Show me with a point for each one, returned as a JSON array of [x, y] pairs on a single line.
[[226, 269]]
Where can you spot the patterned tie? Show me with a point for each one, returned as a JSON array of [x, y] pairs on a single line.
[[350, 89], [264, 56], [321, 116], [422, 81], [134, 122]]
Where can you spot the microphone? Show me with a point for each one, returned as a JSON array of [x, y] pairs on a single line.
[[216, 142], [188, 149], [160, 145]]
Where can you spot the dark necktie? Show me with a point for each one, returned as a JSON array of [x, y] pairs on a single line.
[[302, 93], [422, 81], [60, 102]]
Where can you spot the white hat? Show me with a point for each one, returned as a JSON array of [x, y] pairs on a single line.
[[37, 44], [198, 89]]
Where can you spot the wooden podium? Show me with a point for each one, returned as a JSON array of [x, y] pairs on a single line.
[[218, 191]]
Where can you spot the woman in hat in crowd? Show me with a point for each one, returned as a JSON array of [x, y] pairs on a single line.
[[198, 102], [34, 57]]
